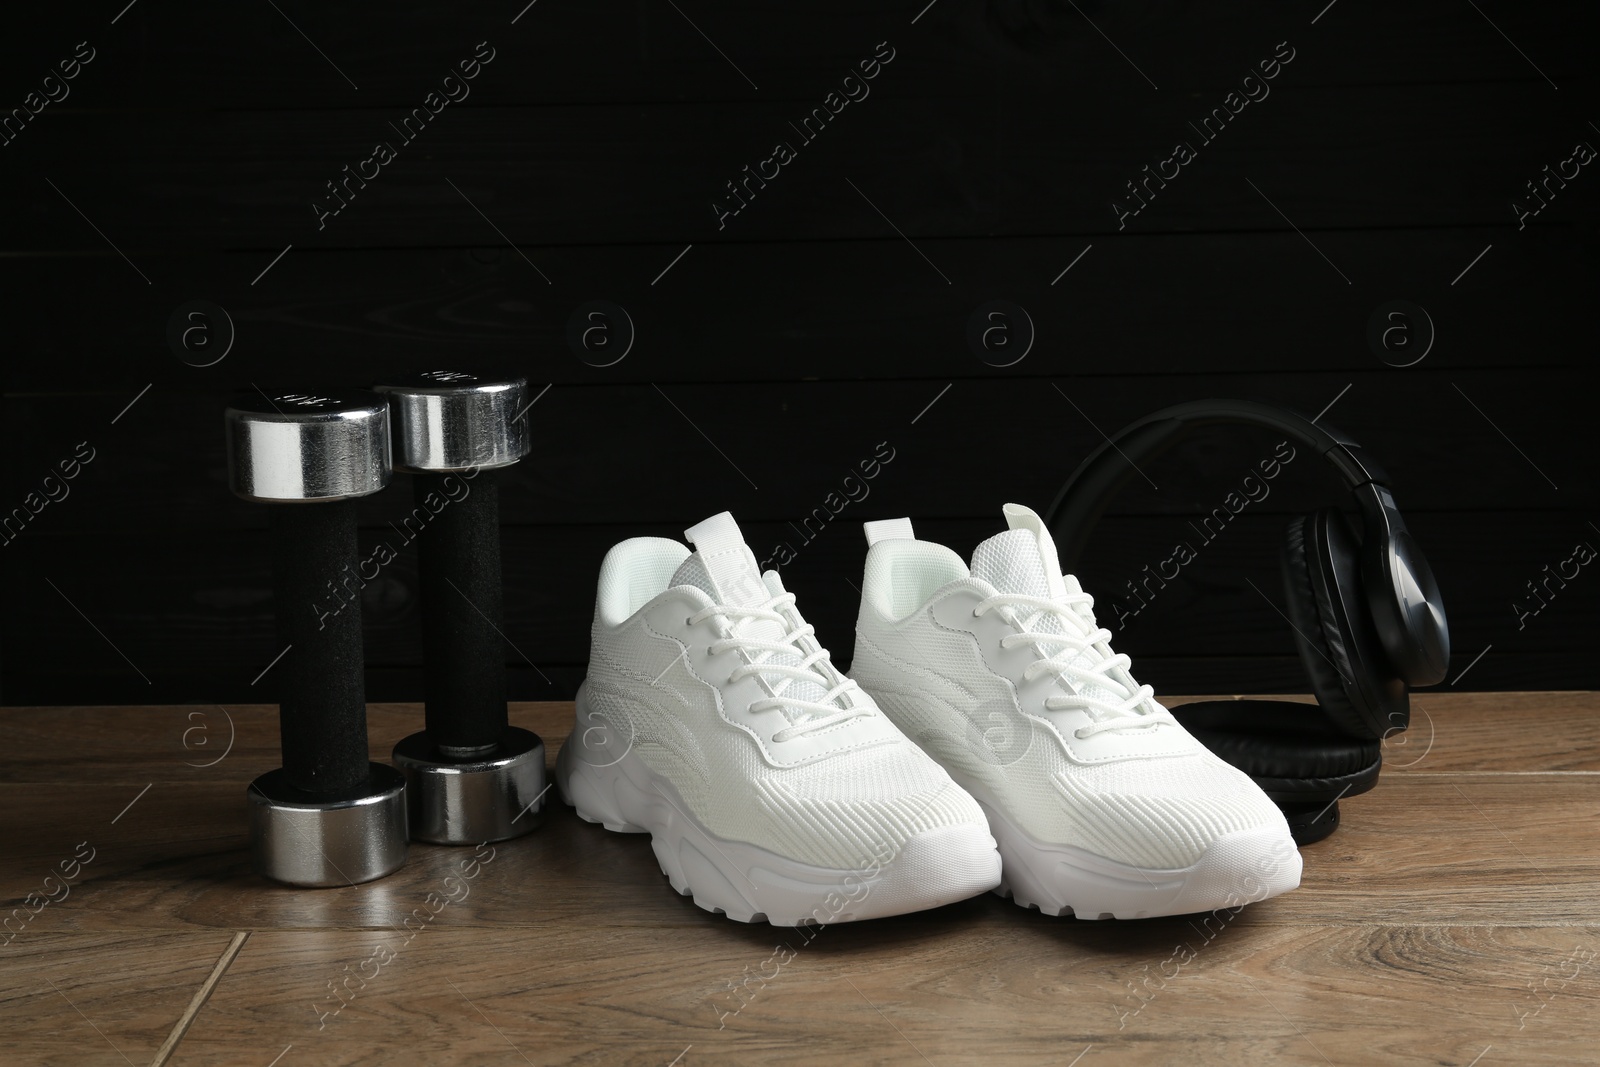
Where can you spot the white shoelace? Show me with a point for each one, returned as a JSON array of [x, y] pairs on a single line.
[[813, 666], [1109, 671]]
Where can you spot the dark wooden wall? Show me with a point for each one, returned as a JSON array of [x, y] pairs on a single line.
[[816, 326]]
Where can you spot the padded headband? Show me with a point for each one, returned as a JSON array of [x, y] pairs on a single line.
[[1085, 496]]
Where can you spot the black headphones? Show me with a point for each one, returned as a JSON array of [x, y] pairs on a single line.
[[1368, 618]]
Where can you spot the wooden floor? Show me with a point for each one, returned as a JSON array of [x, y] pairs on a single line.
[[1453, 919]]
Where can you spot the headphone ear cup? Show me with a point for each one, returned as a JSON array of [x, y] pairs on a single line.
[[1287, 748], [1311, 822], [1292, 753], [1320, 557]]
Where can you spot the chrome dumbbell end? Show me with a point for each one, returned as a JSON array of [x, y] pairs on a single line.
[[307, 447], [445, 421], [468, 801], [306, 840]]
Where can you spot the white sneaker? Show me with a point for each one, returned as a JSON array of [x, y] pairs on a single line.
[[771, 786], [1102, 803]]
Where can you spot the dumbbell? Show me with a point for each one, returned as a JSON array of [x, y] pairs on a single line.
[[471, 776], [328, 816]]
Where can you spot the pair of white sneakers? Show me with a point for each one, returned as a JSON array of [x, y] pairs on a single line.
[[987, 738]]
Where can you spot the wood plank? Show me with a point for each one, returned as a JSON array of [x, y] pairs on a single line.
[[170, 744], [1434, 846], [1012, 988], [104, 998], [1450, 458], [1448, 915], [824, 310], [205, 633], [650, 172], [616, 52]]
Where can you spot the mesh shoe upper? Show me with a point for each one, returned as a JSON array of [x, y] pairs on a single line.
[[1140, 791], [842, 797]]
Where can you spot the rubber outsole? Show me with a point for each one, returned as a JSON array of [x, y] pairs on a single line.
[[751, 884]]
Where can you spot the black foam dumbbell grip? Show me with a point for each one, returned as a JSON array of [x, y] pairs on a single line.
[[459, 558], [322, 709]]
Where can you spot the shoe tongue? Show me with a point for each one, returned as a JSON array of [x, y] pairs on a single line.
[[724, 568], [1023, 561], [723, 564], [693, 572], [1012, 563]]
